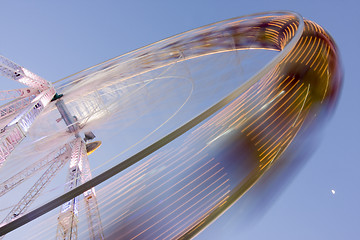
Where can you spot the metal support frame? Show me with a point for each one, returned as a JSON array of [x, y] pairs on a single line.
[[34, 100], [15, 106], [9, 140], [15, 131], [91, 206], [79, 172], [40, 184], [20, 98], [26, 173], [15, 72], [68, 217]]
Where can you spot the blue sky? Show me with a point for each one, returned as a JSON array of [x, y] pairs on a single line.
[[56, 39]]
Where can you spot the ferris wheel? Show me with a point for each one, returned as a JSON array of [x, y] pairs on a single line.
[[211, 126]]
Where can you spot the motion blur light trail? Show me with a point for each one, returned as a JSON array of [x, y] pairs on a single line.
[[201, 144]]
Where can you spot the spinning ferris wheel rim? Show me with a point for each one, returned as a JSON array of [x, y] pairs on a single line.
[[277, 59], [173, 135]]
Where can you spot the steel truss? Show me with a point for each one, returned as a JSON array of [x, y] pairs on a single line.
[[39, 185], [15, 106], [28, 172], [28, 103], [79, 172], [91, 205], [13, 133], [15, 72]]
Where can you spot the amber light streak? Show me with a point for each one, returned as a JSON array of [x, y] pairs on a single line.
[[201, 211], [183, 197], [165, 191]]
